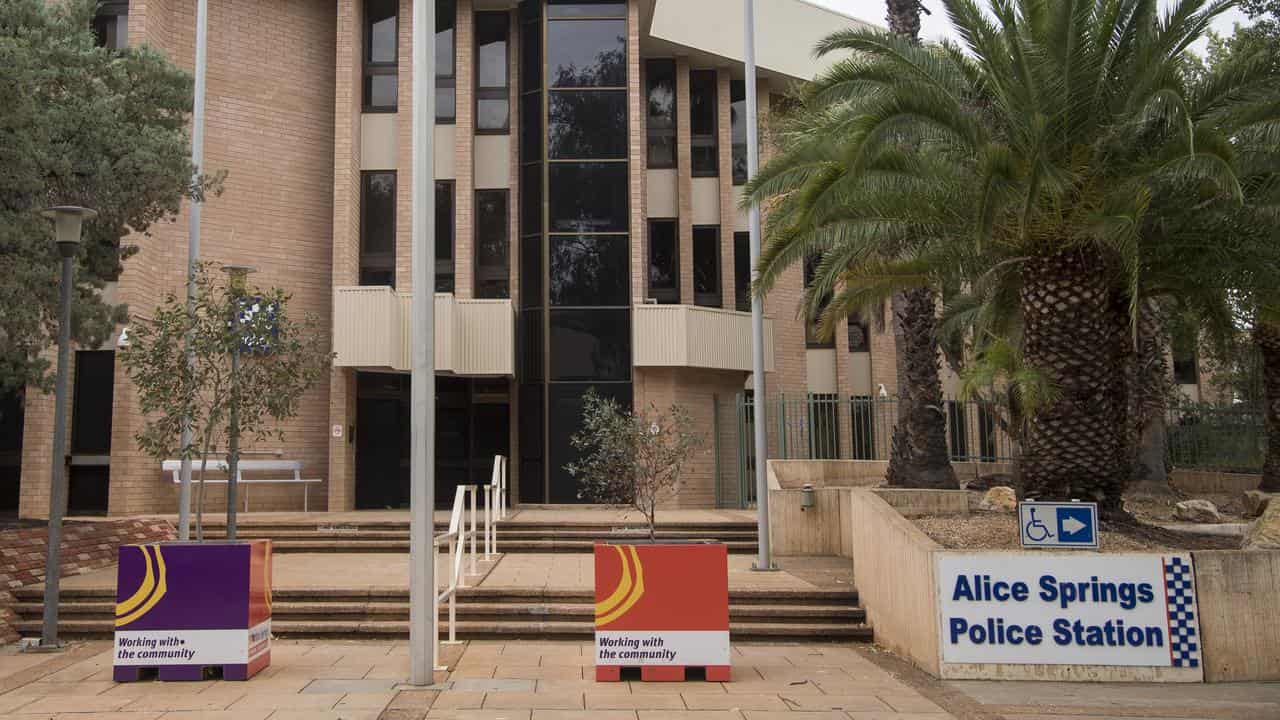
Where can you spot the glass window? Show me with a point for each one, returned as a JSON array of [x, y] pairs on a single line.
[[378, 228], [446, 93], [584, 124], [660, 124], [706, 265], [811, 336], [587, 53], [591, 344], [738, 129], [579, 8], [531, 127], [588, 270], [859, 335], [380, 55], [492, 99], [742, 271], [531, 271], [530, 344], [564, 419], [493, 246], [530, 52], [702, 123], [444, 236], [1184, 363], [664, 262], [111, 25], [588, 197], [530, 198]]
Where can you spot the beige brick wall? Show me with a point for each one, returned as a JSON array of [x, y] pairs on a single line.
[[684, 180], [464, 152]]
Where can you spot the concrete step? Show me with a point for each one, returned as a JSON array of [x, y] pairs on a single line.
[[478, 629]]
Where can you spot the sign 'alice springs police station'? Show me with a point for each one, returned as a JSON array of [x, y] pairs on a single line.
[[1058, 609]]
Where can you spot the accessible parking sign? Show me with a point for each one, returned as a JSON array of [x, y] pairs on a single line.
[[1057, 609]]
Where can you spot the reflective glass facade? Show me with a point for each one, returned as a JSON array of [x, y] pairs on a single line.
[[575, 318]]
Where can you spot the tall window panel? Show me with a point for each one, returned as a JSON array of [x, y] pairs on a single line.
[[812, 338], [858, 333], [378, 228], [660, 113], [446, 61], [380, 55], [706, 265], [493, 111], [742, 271], [738, 129], [702, 123], [493, 246], [111, 24], [444, 236], [575, 322], [664, 262]]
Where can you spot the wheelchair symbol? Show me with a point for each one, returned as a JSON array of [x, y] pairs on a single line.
[[1035, 530]]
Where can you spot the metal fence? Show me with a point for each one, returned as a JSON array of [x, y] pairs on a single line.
[[832, 427], [1203, 437]]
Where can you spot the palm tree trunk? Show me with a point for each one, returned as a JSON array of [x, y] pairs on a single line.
[[920, 438], [1074, 443], [1150, 383], [1267, 337]]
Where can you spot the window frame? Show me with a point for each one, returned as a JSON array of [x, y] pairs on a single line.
[[450, 81], [662, 295], [695, 171], [365, 178], [115, 10], [370, 68], [488, 92], [702, 299], [453, 237], [478, 269]]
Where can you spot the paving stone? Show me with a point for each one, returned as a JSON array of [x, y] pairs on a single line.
[[365, 701], [834, 702], [584, 715], [688, 715], [734, 701], [287, 701], [328, 685], [644, 701], [450, 714], [538, 672], [789, 715], [458, 700], [216, 715], [76, 704], [909, 703], [532, 700], [491, 685]]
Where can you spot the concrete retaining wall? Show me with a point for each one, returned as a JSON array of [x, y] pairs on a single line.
[[1211, 481], [857, 473], [1239, 596]]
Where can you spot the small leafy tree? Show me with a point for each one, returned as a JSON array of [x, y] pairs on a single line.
[[632, 458], [280, 360]]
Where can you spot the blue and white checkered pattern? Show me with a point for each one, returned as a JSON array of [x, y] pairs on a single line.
[[1179, 582]]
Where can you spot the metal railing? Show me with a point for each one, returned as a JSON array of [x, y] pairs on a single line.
[[1206, 437], [461, 541]]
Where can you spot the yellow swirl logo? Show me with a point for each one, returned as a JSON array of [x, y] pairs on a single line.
[[630, 587], [153, 587]]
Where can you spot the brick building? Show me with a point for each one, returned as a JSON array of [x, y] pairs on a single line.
[[589, 158]]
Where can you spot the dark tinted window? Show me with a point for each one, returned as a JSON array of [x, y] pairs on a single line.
[[742, 271], [590, 344], [588, 197], [493, 246], [584, 124], [738, 129], [811, 336], [380, 55], [531, 127], [531, 344], [660, 111], [530, 198], [858, 334], [92, 401], [664, 261], [578, 8], [530, 53], [446, 93], [378, 228], [702, 122], [111, 24], [531, 271], [565, 415], [444, 237], [588, 270], [585, 53], [492, 101], [706, 265]]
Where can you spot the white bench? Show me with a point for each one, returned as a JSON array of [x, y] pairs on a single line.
[[220, 465]]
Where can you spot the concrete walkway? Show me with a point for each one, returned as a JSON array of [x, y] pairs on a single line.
[[522, 680]]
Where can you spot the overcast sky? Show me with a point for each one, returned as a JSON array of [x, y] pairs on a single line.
[[936, 25]]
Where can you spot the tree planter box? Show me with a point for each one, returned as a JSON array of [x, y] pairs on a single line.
[[182, 608], [662, 608]]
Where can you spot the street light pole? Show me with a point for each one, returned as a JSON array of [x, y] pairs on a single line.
[[193, 255], [67, 223], [423, 614], [238, 274], [763, 561]]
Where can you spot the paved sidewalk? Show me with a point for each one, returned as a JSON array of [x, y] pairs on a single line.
[[526, 680]]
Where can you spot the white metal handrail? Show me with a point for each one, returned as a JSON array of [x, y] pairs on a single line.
[[461, 538]]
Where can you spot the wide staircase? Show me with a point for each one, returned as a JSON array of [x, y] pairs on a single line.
[[514, 535], [816, 615]]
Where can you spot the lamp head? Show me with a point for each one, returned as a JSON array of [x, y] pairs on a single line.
[[238, 274], [67, 222]]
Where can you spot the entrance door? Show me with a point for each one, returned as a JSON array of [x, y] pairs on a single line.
[[382, 441]]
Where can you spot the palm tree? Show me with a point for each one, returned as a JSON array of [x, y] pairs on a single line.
[[1023, 164]]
